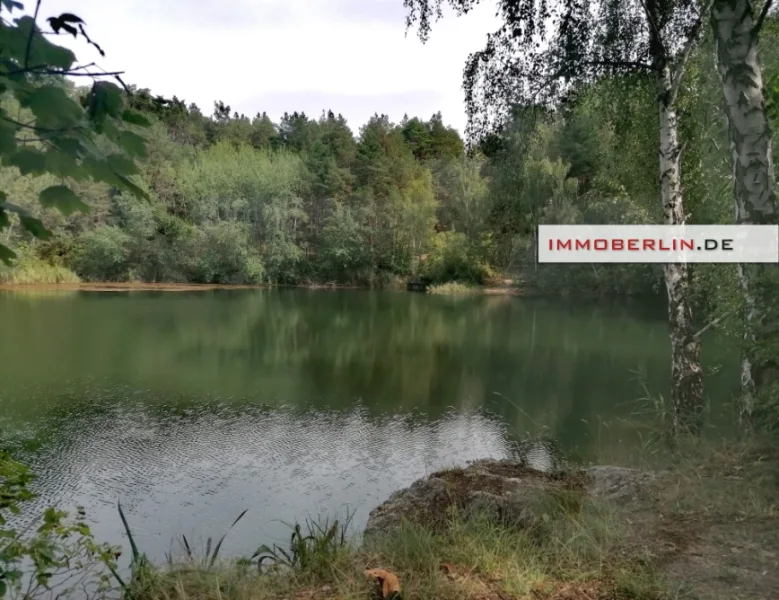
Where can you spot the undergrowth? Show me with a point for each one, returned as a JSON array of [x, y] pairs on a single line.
[[577, 550], [30, 270], [453, 287]]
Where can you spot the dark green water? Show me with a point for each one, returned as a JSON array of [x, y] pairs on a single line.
[[190, 407]]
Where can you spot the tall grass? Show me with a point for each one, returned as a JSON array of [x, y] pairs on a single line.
[[452, 288], [30, 270], [578, 545]]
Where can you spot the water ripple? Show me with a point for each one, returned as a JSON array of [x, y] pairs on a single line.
[[192, 471]]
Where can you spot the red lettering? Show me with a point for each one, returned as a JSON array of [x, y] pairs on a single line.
[[582, 245], [563, 244], [601, 244], [663, 246], [649, 244], [688, 245], [633, 244], [617, 244]]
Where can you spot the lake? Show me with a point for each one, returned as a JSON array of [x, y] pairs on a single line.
[[190, 407]]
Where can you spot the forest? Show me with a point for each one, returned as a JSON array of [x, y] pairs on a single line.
[[234, 199]]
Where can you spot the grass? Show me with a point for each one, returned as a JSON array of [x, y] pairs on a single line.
[[578, 553], [30, 270], [452, 288]]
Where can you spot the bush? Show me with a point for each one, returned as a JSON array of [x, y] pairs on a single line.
[[102, 254], [455, 258]]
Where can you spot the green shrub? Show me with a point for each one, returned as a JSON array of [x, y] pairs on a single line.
[[455, 258], [102, 254]]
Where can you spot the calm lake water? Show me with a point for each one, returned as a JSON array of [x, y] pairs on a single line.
[[191, 407]]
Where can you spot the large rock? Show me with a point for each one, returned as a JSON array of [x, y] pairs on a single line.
[[506, 490], [420, 501]]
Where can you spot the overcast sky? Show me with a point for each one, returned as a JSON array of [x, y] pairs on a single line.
[[351, 56]]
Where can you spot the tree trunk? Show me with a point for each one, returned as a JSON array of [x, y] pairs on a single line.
[[754, 185], [686, 370]]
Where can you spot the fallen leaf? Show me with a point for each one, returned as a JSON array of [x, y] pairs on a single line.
[[390, 584]]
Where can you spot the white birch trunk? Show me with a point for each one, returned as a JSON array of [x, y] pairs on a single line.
[[686, 370], [754, 186]]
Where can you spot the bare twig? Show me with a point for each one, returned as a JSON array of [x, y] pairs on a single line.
[[32, 34]]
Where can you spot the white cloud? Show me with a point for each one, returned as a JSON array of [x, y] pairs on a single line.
[[350, 56]]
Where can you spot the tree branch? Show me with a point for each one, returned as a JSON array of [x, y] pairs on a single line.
[[74, 72], [32, 34], [651, 18], [761, 18], [688, 46], [713, 323], [36, 128]]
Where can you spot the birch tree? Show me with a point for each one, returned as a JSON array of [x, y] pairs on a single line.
[[736, 28], [543, 51]]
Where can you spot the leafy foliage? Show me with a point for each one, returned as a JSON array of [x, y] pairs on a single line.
[[58, 557], [59, 134]]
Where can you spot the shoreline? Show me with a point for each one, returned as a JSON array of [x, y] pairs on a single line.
[[195, 287]]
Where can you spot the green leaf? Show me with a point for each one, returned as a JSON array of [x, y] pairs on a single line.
[[121, 165], [135, 118], [132, 188], [4, 222], [7, 255], [62, 198], [42, 51], [69, 145], [35, 227], [30, 223], [110, 130], [101, 171], [133, 144], [63, 164], [51, 105], [105, 100], [3, 588], [7, 136], [28, 160]]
